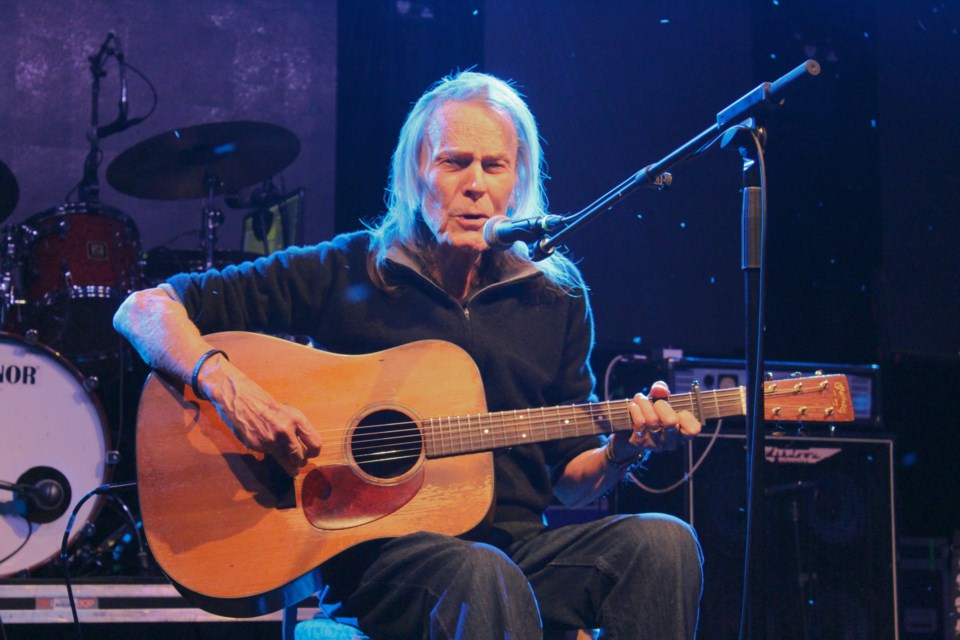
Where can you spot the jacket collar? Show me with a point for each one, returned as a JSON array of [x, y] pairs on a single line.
[[402, 256]]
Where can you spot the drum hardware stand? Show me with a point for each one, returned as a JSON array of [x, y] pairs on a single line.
[[90, 184], [211, 218], [8, 295], [92, 557], [261, 199]]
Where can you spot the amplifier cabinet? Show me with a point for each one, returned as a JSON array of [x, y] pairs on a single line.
[[829, 531]]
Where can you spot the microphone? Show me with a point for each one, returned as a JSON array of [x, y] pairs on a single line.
[[118, 125], [104, 48], [500, 232], [44, 492], [45, 495]]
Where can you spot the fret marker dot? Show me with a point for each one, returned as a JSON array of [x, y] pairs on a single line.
[[523, 435]]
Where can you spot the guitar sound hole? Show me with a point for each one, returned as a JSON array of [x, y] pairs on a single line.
[[386, 444]]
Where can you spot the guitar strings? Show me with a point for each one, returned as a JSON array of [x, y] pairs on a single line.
[[478, 424], [410, 435], [450, 435], [581, 410], [470, 437], [457, 423], [593, 409]]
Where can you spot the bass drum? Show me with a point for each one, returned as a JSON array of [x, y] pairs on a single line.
[[54, 435]]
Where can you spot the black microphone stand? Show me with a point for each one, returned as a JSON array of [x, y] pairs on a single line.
[[90, 184], [750, 141], [736, 124]]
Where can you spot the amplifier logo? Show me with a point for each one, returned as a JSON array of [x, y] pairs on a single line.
[[812, 455], [17, 374]]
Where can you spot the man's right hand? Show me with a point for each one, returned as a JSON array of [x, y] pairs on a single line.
[[156, 324], [257, 419]]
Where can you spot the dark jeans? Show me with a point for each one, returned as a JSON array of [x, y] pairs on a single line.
[[634, 577]]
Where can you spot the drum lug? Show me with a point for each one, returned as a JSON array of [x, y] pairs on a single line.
[[113, 457], [67, 275], [31, 337], [90, 383]]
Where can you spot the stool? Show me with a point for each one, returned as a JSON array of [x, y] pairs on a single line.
[[320, 628]]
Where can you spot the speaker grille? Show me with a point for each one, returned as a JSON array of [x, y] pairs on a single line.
[[828, 531]]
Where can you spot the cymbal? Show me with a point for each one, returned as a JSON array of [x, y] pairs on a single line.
[[176, 165], [9, 191]]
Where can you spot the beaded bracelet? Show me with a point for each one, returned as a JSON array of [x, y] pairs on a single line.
[[195, 378]]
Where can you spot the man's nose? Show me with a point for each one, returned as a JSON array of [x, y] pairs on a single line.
[[476, 183]]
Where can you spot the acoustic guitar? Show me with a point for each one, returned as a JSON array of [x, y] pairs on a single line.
[[407, 444]]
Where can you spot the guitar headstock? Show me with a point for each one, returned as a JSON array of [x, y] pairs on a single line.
[[813, 399]]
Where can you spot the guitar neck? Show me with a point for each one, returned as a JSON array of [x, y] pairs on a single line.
[[456, 435]]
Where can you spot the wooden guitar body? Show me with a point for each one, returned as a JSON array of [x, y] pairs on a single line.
[[237, 535]]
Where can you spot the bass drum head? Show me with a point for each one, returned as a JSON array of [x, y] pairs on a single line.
[[52, 429]]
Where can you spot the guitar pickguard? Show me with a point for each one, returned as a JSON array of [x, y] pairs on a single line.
[[337, 498]]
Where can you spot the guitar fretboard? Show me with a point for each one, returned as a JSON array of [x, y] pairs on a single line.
[[456, 435]]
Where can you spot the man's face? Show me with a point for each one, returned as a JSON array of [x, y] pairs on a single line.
[[468, 162]]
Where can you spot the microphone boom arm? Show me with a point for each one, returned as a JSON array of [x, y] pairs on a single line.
[[757, 101], [643, 178]]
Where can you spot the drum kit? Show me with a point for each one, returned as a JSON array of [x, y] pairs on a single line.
[[63, 274]]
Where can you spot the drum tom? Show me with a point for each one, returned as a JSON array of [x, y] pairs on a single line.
[[80, 261], [54, 430]]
